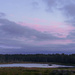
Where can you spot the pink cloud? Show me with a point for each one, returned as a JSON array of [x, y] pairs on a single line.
[[52, 42], [37, 20], [60, 42], [33, 37], [55, 28], [41, 43], [31, 41]]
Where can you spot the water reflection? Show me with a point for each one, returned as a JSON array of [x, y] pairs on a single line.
[[33, 65]]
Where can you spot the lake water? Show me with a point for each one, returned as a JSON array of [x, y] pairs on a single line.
[[29, 65]]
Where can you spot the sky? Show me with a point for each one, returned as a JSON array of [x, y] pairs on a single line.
[[37, 26]]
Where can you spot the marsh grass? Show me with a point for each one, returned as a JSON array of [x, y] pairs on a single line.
[[36, 71]]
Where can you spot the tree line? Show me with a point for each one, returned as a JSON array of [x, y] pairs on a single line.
[[56, 58]]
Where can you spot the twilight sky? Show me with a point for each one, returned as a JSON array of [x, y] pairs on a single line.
[[37, 26]]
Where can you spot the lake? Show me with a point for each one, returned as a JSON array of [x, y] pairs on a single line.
[[30, 65]]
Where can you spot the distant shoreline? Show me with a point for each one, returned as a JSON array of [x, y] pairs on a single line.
[[61, 59]]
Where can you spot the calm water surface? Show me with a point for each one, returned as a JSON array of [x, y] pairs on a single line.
[[33, 65]]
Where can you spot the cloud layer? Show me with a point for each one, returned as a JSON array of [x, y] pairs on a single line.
[[25, 37]]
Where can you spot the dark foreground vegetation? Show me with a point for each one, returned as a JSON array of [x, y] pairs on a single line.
[[36, 71], [54, 58]]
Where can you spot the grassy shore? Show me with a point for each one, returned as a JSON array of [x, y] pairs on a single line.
[[36, 71]]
